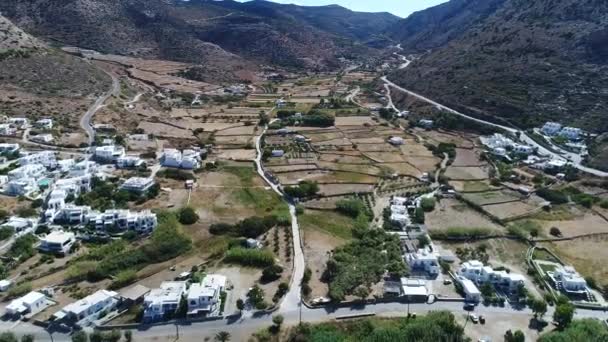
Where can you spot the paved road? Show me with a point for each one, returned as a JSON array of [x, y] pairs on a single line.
[[85, 120], [293, 298], [523, 136], [191, 332]]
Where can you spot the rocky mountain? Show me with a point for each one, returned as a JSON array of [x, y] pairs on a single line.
[[203, 31], [37, 80], [519, 61]]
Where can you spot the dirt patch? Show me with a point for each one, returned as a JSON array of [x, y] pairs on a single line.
[[510, 210], [491, 197], [465, 173], [344, 189], [587, 255], [354, 121], [585, 222], [467, 157], [453, 213]]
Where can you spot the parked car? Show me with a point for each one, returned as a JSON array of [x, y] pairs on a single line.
[[447, 282], [473, 317], [469, 306], [482, 319]]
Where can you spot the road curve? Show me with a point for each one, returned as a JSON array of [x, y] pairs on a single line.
[[523, 136], [85, 120]]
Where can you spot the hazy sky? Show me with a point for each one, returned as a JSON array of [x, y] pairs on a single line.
[[402, 8]]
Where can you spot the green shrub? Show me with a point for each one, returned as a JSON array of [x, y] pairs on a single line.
[[19, 290], [351, 207], [187, 216], [427, 204], [250, 257]]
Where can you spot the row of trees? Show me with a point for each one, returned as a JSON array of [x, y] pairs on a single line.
[[251, 227], [303, 190]]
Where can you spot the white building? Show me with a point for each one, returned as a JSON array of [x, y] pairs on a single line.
[[471, 292], [89, 307], [83, 168], [188, 159], [426, 123], [496, 141], [551, 128], [571, 133], [163, 301], [57, 242], [122, 220], [20, 225], [475, 271], [137, 184], [31, 303], [396, 141], [129, 162], [21, 187], [19, 122], [139, 137], [7, 129], [45, 158], [205, 297], [423, 260], [277, 153], [9, 148], [27, 171], [109, 153], [45, 123], [43, 138], [523, 149], [570, 280], [70, 214]]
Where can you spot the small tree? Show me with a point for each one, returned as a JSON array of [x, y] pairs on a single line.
[[555, 231], [278, 321], [8, 336], [517, 336], [187, 216], [361, 292], [563, 314], [128, 335], [222, 336], [539, 307], [240, 304], [80, 336], [27, 338]]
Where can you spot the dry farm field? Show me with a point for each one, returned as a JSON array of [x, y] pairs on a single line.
[[451, 213]]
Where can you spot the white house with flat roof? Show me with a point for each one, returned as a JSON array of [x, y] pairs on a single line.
[[496, 141], [43, 138], [572, 133], [475, 271], [188, 159], [129, 162], [19, 122], [423, 260], [57, 242], [44, 123], [29, 171], [82, 168], [551, 128], [9, 148], [89, 307], [109, 153], [20, 224], [471, 292], [31, 303], [7, 129], [570, 280], [159, 303], [137, 184], [144, 221], [46, 158], [204, 298], [396, 141], [523, 149]]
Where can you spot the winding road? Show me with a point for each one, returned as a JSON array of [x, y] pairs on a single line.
[[522, 135], [85, 120]]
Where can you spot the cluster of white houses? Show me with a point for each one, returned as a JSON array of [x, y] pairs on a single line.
[[502, 146], [186, 159], [556, 129], [473, 273], [400, 207], [203, 298]]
